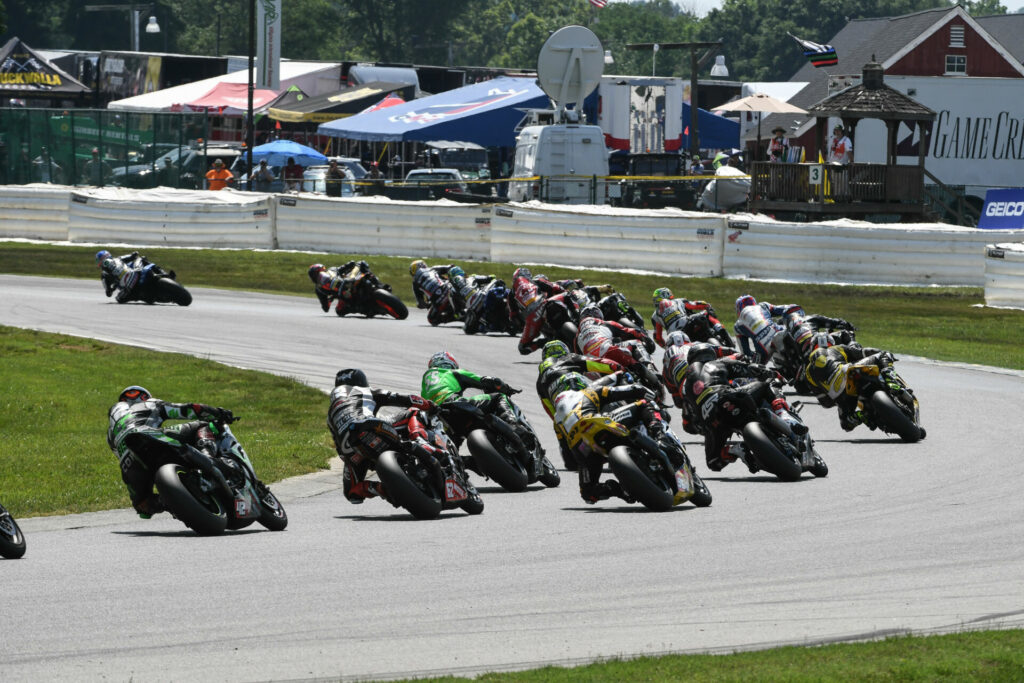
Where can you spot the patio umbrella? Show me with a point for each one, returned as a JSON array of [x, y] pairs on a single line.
[[278, 152], [760, 103]]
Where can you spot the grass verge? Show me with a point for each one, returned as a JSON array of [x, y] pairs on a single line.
[[56, 390], [944, 323]]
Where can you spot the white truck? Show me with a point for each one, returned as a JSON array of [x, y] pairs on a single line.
[[561, 164]]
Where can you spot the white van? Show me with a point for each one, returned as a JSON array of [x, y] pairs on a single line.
[[570, 159]]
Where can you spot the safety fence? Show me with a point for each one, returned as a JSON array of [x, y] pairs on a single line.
[[1004, 275], [667, 240]]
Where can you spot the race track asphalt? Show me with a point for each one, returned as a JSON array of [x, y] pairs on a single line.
[[923, 537]]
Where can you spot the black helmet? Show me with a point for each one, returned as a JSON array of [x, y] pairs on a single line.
[[315, 270], [353, 377]]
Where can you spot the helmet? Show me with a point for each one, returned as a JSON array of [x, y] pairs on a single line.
[[591, 311], [744, 301], [456, 271], [818, 340], [134, 394], [661, 293], [555, 349], [102, 256], [353, 377], [826, 372], [415, 266], [443, 359], [522, 272], [677, 338], [315, 270], [572, 381]]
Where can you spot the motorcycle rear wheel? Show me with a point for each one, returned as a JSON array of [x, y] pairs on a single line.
[[170, 291], [199, 511], [892, 419], [403, 486], [567, 333], [272, 514], [494, 463], [389, 304], [629, 466], [768, 456], [12, 541]]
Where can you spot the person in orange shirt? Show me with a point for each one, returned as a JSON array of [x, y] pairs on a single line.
[[218, 177]]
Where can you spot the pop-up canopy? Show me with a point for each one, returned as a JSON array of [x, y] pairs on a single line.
[[716, 132], [26, 73], [486, 113], [229, 99]]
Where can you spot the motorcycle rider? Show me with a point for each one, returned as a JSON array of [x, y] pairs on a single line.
[[679, 353], [136, 436], [430, 285], [121, 273], [803, 329], [527, 295], [756, 330], [558, 361], [576, 398], [600, 338], [671, 314], [836, 372], [715, 385], [353, 414], [336, 283]]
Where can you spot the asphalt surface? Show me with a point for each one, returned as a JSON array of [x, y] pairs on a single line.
[[921, 537]]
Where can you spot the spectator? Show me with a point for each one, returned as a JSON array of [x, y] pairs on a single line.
[[23, 167], [376, 179], [264, 177], [292, 175], [778, 147], [218, 177], [46, 170], [333, 178], [97, 171], [841, 151], [168, 174]]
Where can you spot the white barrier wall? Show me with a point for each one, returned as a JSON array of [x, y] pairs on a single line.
[[179, 218], [853, 251], [668, 241], [34, 211], [1004, 275], [377, 225]]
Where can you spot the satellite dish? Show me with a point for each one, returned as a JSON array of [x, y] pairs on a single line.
[[570, 65]]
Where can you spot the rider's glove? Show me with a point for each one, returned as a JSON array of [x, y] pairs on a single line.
[[649, 344], [422, 403]]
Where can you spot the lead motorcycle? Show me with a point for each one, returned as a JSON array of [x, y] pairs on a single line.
[[232, 497], [889, 403], [12, 541], [424, 479], [495, 447]]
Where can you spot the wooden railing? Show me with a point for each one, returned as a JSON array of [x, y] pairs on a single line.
[[870, 183]]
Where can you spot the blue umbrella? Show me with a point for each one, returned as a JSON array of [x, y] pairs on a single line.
[[278, 152]]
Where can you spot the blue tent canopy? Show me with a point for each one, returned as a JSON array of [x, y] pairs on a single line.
[[716, 132], [485, 113]]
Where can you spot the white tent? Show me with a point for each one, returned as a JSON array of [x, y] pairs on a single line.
[[314, 78]]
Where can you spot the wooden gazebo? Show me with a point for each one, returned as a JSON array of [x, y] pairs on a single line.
[[856, 189]]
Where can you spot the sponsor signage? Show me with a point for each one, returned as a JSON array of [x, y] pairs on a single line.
[[1003, 210]]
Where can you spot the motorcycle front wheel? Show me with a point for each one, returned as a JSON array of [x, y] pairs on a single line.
[[495, 463], [272, 514], [892, 419], [649, 486], [12, 541], [170, 291], [389, 304], [768, 456], [181, 495], [408, 484]]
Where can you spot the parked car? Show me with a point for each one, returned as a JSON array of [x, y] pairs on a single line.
[[314, 179], [352, 164], [650, 193], [188, 167], [439, 180]]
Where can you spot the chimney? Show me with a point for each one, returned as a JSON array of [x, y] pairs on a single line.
[[872, 76]]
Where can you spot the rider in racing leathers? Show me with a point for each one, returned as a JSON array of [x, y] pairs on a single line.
[[136, 436], [835, 373], [679, 353], [431, 286], [353, 414], [530, 300], [670, 314], [336, 283], [121, 273], [756, 331], [600, 338], [575, 398], [709, 388]]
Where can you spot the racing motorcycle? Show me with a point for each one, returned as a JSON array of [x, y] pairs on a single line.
[[794, 346], [153, 284], [444, 306], [229, 497], [422, 482], [656, 473], [699, 328], [615, 307], [888, 402], [12, 541], [494, 446], [371, 297], [487, 310], [768, 442]]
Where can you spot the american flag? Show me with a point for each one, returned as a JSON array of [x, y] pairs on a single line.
[[599, 3]]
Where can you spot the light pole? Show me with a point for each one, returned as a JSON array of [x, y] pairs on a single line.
[[134, 13], [250, 134]]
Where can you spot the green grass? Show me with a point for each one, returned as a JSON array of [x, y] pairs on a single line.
[[55, 392], [976, 656], [945, 323]]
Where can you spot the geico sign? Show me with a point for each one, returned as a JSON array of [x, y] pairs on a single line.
[[1005, 209]]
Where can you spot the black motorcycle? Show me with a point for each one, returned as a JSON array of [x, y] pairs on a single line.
[[228, 496], [154, 285], [512, 458], [12, 541], [889, 403], [423, 480], [616, 307], [487, 310], [371, 297]]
